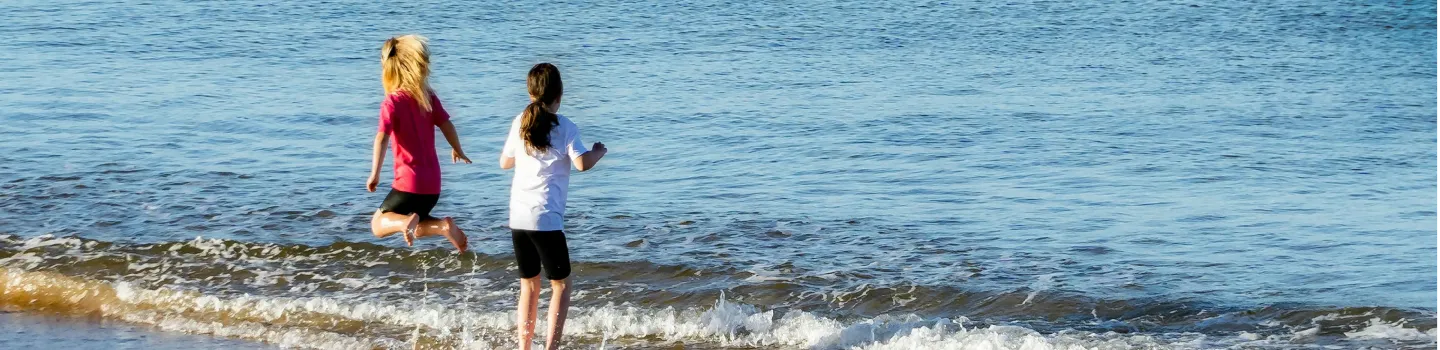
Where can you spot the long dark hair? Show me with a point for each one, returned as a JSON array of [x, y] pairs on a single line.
[[536, 122]]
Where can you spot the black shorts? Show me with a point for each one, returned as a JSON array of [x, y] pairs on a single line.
[[534, 249], [401, 202]]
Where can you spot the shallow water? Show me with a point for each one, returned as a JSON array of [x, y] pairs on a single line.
[[20, 330], [824, 175]]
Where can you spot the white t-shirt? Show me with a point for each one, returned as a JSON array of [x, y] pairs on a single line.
[[537, 194]]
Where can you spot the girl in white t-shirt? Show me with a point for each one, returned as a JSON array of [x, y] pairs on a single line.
[[541, 147]]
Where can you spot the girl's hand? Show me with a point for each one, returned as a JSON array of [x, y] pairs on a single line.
[[372, 182], [456, 156], [587, 160]]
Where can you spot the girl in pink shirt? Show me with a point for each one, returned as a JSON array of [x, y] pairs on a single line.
[[408, 118]]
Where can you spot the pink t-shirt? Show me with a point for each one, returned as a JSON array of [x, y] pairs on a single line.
[[412, 135]]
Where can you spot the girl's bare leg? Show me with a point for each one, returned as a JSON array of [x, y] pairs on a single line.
[[525, 312], [445, 227], [559, 307], [386, 224]]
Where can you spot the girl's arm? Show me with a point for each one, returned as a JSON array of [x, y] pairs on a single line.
[[587, 160], [512, 140], [377, 159], [456, 153]]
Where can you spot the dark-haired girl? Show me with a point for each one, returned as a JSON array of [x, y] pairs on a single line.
[[541, 148]]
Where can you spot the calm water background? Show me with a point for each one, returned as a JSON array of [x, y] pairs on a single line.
[[1101, 166]]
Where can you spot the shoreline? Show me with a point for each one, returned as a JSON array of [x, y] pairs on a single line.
[[48, 331]]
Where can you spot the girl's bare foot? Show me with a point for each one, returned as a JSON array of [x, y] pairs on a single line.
[[412, 223], [455, 235]]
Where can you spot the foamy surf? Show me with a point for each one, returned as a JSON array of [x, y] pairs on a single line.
[[331, 324], [358, 295], [324, 323]]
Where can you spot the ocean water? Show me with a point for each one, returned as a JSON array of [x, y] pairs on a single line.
[[27, 331], [825, 175]]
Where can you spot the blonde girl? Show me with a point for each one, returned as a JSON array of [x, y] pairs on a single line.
[[408, 118]]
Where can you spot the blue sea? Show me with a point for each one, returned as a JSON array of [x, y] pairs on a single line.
[[1023, 174]]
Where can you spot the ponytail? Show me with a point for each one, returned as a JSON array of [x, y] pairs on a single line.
[[535, 126], [536, 121]]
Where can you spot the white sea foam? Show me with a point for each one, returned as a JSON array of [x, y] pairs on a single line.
[[1379, 329], [329, 323], [306, 320], [47, 240]]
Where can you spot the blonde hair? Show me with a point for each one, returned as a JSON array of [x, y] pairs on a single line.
[[405, 66]]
